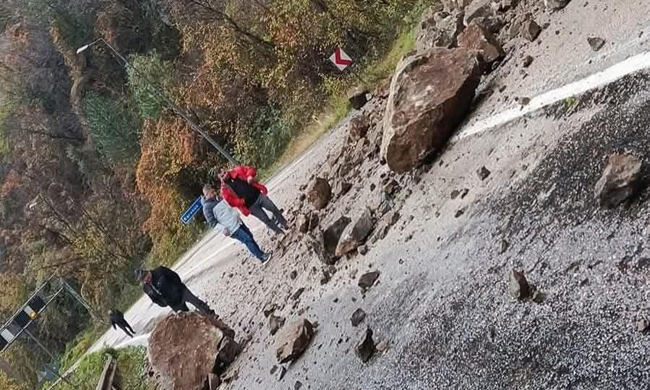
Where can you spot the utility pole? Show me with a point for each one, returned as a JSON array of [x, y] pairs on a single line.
[[165, 99]]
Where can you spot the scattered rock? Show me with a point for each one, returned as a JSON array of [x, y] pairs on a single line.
[[454, 194], [619, 180], [483, 173], [477, 9], [366, 347], [273, 369], [392, 187], [358, 98], [555, 5], [293, 275], [325, 278], [297, 294], [368, 280], [642, 325], [319, 193], [363, 250], [459, 213], [357, 317], [297, 385], [281, 373], [430, 94], [269, 309], [530, 30], [359, 126], [503, 247], [382, 346], [439, 29], [464, 193], [332, 235], [294, 340], [538, 296], [480, 41], [356, 233], [528, 61], [275, 323], [596, 43], [519, 287], [342, 188]]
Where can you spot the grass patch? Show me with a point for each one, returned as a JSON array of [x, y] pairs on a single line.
[[80, 345], [132, 366]]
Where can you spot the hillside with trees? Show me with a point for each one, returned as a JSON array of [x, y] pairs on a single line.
[[95, 170]]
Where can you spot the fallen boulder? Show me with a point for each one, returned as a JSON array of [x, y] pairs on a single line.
[[519, 287], [294, 340], [619, 180], [185, 348], [359, 126], [555, 5], [275, 323], [430, 94], [596, 43], [356, 233], [368, 280], [438, 29], [332, 235], [366, 347], [530, 30], [480, 41], [319, 193], [357, 317]]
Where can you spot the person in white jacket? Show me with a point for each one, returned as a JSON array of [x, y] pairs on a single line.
[[225, 219]]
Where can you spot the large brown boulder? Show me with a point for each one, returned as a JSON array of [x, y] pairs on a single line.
[[619, 180], [355, 234], [293, 341], [319, 193], [183, 348], [430, 94]]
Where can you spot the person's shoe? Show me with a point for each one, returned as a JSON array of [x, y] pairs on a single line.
[[267, 258]]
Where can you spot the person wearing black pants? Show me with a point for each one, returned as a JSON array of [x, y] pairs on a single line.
[[166, 289], [116, 318]]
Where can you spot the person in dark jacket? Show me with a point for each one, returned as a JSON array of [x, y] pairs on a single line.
[[165, 288], [116, 318], [241, 190]]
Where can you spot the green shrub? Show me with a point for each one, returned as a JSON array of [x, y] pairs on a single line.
[[148, 70], [264, 141], [113, 129]]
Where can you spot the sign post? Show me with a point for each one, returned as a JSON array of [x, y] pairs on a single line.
[[342, 60], [189, 214]]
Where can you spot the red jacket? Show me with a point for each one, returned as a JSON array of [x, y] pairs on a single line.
[[243, 173]]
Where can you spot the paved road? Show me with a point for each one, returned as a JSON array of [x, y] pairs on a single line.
[[442, 300]]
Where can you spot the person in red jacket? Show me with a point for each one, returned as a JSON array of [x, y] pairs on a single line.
[[240, 190]]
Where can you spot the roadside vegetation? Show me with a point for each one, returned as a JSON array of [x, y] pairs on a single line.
[[95, 171]]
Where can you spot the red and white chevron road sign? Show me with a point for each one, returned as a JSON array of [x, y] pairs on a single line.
[[341, 59]]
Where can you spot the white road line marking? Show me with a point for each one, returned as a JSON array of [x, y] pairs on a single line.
[[597, 80]]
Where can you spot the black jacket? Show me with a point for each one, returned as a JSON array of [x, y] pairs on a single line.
[[117, 318], [166, 288]]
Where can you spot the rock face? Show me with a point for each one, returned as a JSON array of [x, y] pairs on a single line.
[[183, 348], [619, 180], [356, 233], [479, 40], [366, 347], [430, 94], [519, 287], [319, 193], [477, 9], [294, 341]]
